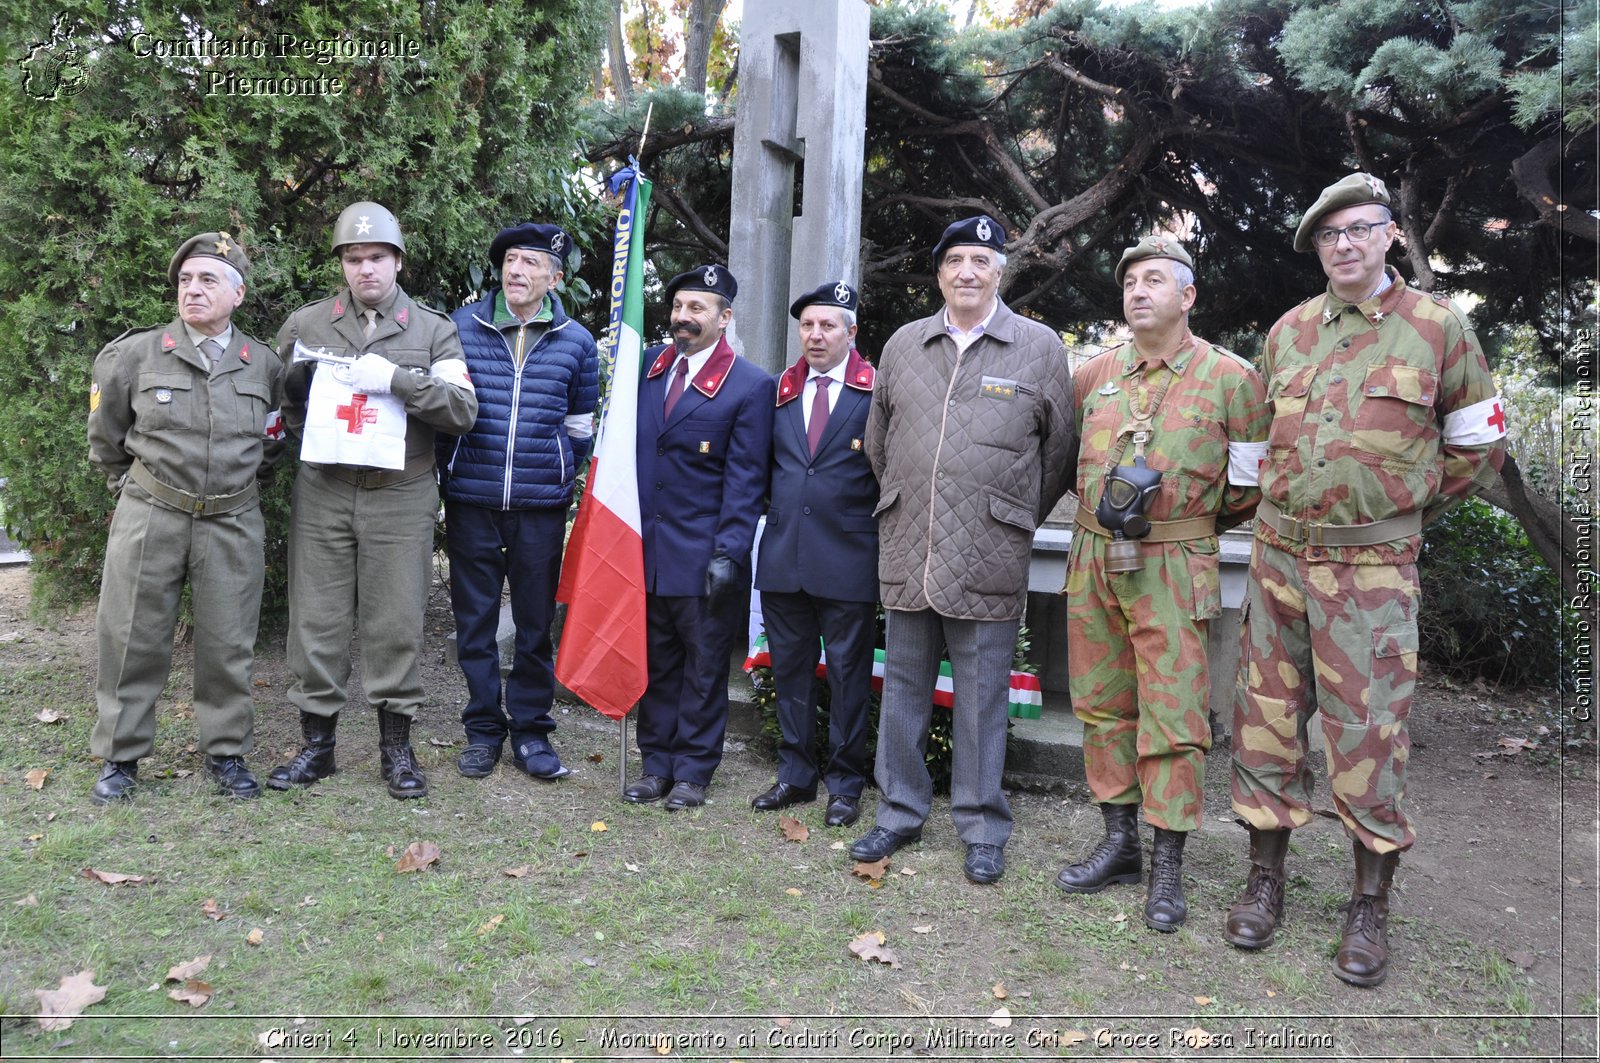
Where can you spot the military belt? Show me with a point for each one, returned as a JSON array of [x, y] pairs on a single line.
[[361, 476], [192, 504], [1313, 534], [1161, 531]]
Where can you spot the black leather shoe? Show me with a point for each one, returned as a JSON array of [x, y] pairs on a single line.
[[118, 779], [985, 863], [538, 758], [880, 842], [1115, 859], [397, 760], [648, 789], [686, 795], [315, 759], [782, 795], [842, 811], [478, 761], [233, 778]]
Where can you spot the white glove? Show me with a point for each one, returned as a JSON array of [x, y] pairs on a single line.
[[372, 373]]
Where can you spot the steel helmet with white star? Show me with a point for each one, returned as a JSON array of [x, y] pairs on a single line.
[[367, 223]]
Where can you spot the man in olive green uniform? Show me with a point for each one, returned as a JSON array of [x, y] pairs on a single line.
[[372, 375], [183, 420], [1171, 432], [1383, 416]]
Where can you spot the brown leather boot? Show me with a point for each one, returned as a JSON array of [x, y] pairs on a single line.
[[398, 761], [315, 760], [1254, 917], [1363, 958]]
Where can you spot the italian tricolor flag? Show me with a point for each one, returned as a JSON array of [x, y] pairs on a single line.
[[602, 658]]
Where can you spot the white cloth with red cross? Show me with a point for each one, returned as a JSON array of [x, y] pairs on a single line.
[[349, 427]]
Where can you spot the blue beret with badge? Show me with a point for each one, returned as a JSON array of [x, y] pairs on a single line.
[[981, 231], [834, 293], [708, 278], [531, 236]]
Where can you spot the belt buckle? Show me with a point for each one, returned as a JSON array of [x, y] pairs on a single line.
[[1314, 534], [199, 509]]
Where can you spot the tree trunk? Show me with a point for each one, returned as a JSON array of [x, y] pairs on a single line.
[[1555, 536], [621, 82], [699, 25]]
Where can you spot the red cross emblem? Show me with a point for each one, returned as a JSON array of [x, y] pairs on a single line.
[[1497, 419], [356, 414], [274, 426]]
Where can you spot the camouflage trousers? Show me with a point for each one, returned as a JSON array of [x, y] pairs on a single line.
[[1136, 643], [1339, 638]]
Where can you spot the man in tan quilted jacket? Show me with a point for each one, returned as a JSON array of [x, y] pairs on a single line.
[[971, 434]]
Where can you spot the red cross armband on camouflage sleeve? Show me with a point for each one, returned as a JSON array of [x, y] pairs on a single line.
[[1244, 462], [1477, 425]]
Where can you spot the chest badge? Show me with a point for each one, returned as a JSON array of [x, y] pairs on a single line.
[[705, 446], [163, 395], [855, 444], [1108, 389]]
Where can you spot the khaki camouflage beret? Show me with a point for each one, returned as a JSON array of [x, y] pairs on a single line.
[[1352, 191], [220, 246], [1154, 246]]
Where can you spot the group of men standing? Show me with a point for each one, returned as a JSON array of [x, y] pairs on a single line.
[[918, 483]]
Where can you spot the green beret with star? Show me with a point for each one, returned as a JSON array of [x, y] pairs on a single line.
[[218, 245], [1356, 190], [1156, 245]]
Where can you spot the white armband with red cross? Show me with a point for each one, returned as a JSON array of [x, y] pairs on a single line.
[[1476, 425], [273, 429], [1244, 462], [452, 371]]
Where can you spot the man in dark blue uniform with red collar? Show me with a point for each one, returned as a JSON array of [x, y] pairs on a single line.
[[704, 436], [818, 565]]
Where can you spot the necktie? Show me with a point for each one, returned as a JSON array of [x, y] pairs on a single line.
[[212, 349], [675, 389], [819, 413], [372, 323]]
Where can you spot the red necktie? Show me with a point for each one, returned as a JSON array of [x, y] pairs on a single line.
[[675, 389], [819, 413]]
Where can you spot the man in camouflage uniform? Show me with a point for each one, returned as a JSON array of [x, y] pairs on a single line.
[[1384, 416], [1175, 405], [361, 535], [183, 422]]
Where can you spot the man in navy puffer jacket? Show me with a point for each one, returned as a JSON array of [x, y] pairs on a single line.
[[507, 485]]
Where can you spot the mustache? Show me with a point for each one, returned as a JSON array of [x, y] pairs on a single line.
[[691, 327]]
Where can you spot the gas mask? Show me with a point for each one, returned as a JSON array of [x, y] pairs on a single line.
[[1128, 489]]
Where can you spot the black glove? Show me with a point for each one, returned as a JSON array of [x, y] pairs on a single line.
[[721, 580]]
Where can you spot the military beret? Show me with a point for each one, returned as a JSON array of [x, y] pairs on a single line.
[[1352, 191], [533, 237], [709, 278], [1153, 246], [219, 246], [839, 294], [982, 231]]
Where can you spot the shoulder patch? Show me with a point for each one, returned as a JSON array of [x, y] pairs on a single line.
[[1241, 359]]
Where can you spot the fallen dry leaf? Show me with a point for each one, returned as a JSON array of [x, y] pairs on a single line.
[[211, 910], [36, 777], [1202, 1001], [875, 870], [440, 742], [795, 892], [112, 878], [870, 946], [514, 872], [1070, 1038], [999, 991], [909, 872], [488, 928], [50, 716], [309, 902], [182, 972], [59, 1006], [598, 827], [256, 936], [596, 758], [793, 829], [1120, 917], [30, 901], [1197, 1037], [1272, 992], [417, 856], [922, 929], [193, 993], [1001, 1018], [1516, 745], [663, 1044], [837, 845]]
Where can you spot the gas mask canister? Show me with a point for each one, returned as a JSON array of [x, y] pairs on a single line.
[[1128, 489]]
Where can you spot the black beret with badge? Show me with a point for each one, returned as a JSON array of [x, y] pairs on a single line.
[[981, 231], [708, 278], [531, 236], [1157, 245], [219, 245], [1357, 190], [835, 293]]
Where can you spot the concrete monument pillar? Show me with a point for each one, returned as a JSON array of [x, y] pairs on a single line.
[[802, 113]]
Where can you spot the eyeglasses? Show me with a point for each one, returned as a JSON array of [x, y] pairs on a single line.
[[1357, 233]]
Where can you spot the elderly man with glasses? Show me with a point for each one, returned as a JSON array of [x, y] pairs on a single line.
[[1383, 417]]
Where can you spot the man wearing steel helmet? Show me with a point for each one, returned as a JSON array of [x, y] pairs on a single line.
[[818, 566], [705, 429], [372, 376], [1383, 417], [1171, 430], [507, 484], [970, 434], [183, 422]]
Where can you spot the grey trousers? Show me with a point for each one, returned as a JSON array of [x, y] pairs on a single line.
[[980, 668]]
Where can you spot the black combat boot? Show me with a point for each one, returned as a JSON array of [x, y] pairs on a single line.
[[399, 763], [1254, 917], [313, 762], [1165, 907], [1116, 859], [1363, 957]]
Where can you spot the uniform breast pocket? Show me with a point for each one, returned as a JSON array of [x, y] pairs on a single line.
[[1288, 394], [1393, 413], [165, 402], [250, 406], [1004, 413], [705, 441]]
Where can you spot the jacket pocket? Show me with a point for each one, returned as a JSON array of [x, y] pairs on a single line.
[[1287, 395], [1392, 418], [1002, 548], [251, 399], [165, 402], [890, 497]]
